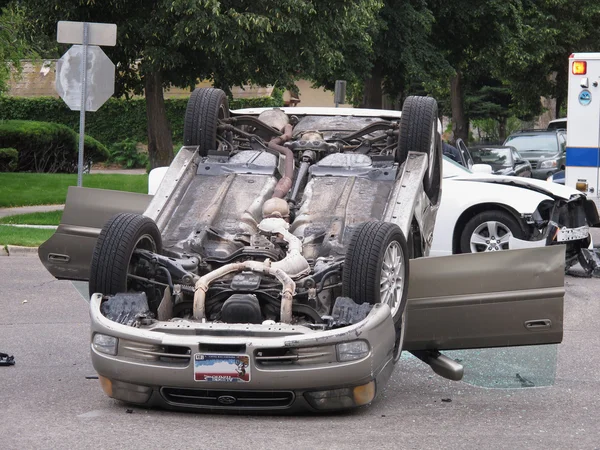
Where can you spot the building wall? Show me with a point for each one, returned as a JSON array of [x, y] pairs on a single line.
[[38, 79]]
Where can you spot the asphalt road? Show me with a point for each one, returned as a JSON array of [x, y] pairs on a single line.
[[47, 402]]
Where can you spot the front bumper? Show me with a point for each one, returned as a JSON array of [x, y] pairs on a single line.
[[543, 174], [154, 365]]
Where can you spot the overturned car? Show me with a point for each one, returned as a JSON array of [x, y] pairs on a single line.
[[269, 270]]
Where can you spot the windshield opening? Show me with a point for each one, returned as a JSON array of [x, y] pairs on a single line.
[[534, 143], [493, 156]]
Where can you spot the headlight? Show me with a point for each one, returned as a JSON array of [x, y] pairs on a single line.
[[351, 351], [505, 171], [550, 164], [105, 344], [342, 398]]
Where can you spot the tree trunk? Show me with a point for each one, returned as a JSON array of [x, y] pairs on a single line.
[[160, 141], [460, 124], [561, 84], [373, 92], [502, 121]]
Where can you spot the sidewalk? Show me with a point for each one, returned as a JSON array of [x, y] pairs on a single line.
[[4, 212]]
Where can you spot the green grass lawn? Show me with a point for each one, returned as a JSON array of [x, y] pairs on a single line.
[[24, 189], [38, 218], [27, 237]]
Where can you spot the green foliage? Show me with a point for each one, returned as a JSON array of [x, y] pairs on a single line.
[[26, 237], [14, 45], [126, 154], [47, 147], [118, 119], [9, 158], [489, 130]]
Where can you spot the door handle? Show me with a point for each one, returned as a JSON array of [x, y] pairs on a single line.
[[539, 324], [58, 258]]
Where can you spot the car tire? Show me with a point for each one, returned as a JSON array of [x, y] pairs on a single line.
[[119, 237], [205, 108], [372, 247], [493, 226], [418, 133]]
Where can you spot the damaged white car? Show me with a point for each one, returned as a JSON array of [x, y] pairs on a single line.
[[489, 213], [270, 269]]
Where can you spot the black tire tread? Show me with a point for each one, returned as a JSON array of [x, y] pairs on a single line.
[[362, 264], [202, 118], [419, 116], [113, 250]]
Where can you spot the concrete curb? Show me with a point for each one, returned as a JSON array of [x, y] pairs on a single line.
[[5, 212], [17, 250]]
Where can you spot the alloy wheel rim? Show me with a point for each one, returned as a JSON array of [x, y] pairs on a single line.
[[392, 280], [490, 236]]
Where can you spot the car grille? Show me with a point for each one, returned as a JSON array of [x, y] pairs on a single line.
[[225, 399], [534, 164]]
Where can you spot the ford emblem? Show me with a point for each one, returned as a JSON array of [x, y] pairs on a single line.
[[226, 400]]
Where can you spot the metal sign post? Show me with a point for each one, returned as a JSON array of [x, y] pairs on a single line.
[[98, 79], [82, 109], [339, 95]]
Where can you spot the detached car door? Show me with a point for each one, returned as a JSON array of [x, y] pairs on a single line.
[[494, 299]]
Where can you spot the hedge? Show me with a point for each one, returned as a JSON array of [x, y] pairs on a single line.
[[118, 119], [47, 147], [9, 157]]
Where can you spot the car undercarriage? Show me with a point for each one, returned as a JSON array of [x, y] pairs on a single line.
[[269, 270]]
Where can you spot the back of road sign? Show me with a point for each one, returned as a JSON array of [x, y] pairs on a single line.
[[100, 79]]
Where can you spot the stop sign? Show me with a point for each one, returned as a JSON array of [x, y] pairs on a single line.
[[100, 77]]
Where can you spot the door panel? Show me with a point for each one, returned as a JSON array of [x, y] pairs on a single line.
[[68, 252], [495, 299]]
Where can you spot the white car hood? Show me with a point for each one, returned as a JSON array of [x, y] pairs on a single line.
[[544, 187]]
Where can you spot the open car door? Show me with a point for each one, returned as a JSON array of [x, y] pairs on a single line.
[[484, 300], [68, 252]]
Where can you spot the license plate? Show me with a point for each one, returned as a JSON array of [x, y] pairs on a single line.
[[223, 368], [572, 234]]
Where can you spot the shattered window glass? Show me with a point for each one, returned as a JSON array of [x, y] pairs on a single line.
[[508, 368]]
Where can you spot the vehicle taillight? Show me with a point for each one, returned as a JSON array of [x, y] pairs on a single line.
[[579, 67]]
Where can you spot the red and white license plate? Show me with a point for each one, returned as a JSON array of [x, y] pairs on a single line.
[[221, 368]]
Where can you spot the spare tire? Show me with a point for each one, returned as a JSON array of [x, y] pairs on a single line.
[[418, 133], [204, 109], [119, 237]]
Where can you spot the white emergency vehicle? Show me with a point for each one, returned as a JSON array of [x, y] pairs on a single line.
[[583, 138]]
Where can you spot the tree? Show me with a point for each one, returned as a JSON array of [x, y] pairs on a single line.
[[177, 42], [473, 36], [402, 52], [13, 44], [549, 31]]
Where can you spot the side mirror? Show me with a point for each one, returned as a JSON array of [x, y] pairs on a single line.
[[482, 168]]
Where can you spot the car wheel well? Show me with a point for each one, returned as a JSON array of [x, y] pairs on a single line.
[[471, 212], [415, 241]]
